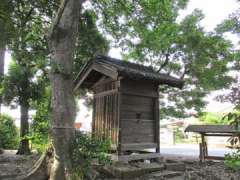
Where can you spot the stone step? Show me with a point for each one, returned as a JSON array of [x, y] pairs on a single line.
[[175, 166], [166, 174], [126, 171], [177, 178], [149, 167], [134, 157]]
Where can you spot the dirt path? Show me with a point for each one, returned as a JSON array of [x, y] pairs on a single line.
[[12, 165]]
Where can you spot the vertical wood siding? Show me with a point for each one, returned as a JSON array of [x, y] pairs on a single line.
[[105, 114]]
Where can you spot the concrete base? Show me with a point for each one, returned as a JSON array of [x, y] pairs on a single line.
[[134, 157]]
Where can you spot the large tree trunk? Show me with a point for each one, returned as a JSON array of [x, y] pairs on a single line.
[[62, 42], [2, 53], [24, 130]]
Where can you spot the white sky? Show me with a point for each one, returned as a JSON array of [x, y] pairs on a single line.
[[215, 12]]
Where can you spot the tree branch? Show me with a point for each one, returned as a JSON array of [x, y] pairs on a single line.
[[27, 16], [58, 17], [186, 71], [165, 62]]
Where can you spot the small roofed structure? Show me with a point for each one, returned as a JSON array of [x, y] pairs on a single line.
[[211, 130], [126, 101]]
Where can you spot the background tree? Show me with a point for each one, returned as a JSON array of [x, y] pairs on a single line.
[[21, 88], [232, 25], [151, 33], [6, 26], [28, 38], [28, 47]]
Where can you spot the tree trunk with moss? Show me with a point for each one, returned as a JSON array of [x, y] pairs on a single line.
[[24, 130], [62, 41]]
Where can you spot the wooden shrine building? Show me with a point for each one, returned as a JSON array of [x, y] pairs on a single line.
[[126, 101]]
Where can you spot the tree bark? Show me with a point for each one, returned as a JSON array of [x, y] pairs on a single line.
[[2, 53], [62, 43], [24, 130]]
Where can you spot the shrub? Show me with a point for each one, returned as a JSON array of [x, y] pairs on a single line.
[[212, 118], [9, 136], [232, 160], [85, 150], [40, 126]]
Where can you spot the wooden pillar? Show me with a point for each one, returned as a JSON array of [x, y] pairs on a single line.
[[94, 117], [119, 136], [157, 121], [202, 148]]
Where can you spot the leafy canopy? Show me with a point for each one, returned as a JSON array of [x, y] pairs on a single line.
[[147, 31], [151, 32], [20, 86]]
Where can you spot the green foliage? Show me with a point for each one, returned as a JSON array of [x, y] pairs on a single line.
[[233, 160], [212, 118], [85, 150], [179, 135], [232, 24], [6, 24], [29, 49], [90, 42], [20, 86], [234, 120], [9, 135], [40, 123], [150, 32]]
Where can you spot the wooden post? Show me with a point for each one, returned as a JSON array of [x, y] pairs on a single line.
[[205, 150], [118, 118], [93, 117], [156, 114], [202, 148], [200, 152]]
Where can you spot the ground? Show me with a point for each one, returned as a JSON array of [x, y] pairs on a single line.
[[12, 165], [172, 167], [168, 167]]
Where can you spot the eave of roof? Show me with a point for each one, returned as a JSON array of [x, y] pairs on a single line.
[[132, 71], [211, 129]]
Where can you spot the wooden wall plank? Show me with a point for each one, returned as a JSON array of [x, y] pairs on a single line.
[[105, 93], [143, 87], [138, 112], [125, 118], [134, 131], [128, 114], [138, 139], [138, 146], [136, 100]]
